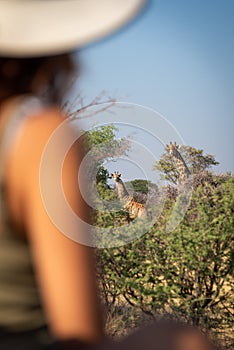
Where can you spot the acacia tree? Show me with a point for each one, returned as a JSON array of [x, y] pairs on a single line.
[[195, 159], [141, 185], [102, 144]]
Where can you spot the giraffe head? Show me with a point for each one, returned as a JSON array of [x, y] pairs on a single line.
[[116, 176], [172, 148]]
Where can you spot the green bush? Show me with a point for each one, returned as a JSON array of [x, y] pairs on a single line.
[[186, 273]]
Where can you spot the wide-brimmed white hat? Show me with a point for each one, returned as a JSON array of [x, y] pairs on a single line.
[[45, 27]]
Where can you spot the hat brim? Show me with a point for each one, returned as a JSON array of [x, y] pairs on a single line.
[[38, 28]]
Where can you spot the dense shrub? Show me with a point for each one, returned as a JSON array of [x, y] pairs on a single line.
[[186, 273]]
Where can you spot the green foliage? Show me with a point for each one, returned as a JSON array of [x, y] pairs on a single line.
[[103, 144], [186, 273], [101, 135]]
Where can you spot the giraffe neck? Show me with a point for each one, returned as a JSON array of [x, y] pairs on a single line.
[[134, 208], [182, 167], [122, 191]]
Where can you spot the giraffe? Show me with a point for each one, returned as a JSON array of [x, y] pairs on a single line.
[[134, 208], [183, 170]]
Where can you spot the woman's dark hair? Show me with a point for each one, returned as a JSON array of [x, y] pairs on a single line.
[[47, 77]]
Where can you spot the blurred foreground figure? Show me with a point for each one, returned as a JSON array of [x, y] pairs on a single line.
[[48, 294]]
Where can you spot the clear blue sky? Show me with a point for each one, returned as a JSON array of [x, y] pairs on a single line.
[[177, 58]]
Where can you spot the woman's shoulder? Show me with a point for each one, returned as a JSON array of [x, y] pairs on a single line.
[[22, 155], [23, 116], [45, 119], [29, 138], [38, 125], [32, 137]]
